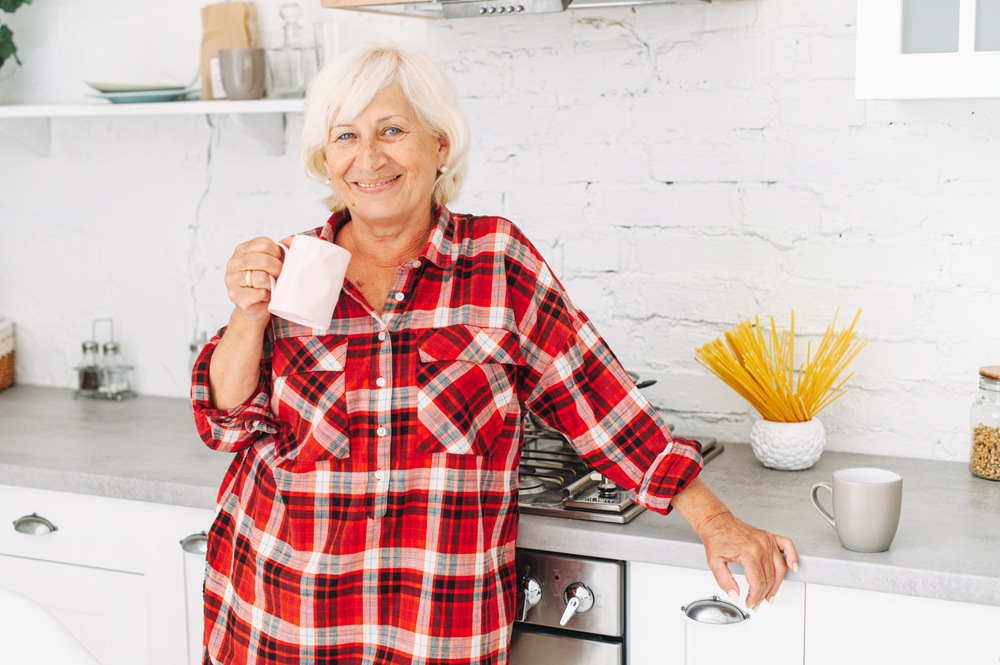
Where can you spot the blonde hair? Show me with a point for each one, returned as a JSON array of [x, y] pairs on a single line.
[[349, 83]]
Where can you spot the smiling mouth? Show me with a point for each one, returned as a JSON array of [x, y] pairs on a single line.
[[375, 184]]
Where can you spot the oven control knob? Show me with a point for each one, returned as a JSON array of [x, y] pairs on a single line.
[[579, 599], [532, 595]]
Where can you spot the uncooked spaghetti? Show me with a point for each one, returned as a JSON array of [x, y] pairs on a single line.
[[760, 367]]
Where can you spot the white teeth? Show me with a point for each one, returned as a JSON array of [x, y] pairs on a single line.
[[377, 184]]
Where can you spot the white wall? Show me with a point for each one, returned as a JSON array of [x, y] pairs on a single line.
[[681, 167]]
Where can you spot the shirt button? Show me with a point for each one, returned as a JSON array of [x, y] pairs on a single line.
[[416, 263], [399, 297], [380, 431], [380, 382], [380, 474], [381, 337]]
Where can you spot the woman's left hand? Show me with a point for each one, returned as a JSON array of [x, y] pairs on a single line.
[[765, 557]]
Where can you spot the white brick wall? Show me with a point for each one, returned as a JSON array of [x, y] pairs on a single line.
[[681, 167]]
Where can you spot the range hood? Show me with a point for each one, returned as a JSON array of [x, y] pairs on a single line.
[[485, 8]]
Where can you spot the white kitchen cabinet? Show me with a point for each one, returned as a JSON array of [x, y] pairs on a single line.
[[659, 633], [113, 571], [910, 49], [194, 605], [872, 628], [104, 609], [174, 583]]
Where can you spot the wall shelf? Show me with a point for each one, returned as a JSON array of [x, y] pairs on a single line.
[[261, 118]]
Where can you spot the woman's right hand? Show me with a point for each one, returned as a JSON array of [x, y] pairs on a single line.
[[248, 277]]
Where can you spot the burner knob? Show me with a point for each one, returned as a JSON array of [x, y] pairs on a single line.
[[532, 595], [607, 489], [579, 599]]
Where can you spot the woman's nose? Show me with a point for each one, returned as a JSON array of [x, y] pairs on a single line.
[[371, 155]]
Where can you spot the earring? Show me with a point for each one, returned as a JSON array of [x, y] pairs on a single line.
[[443, 169], [328, 181]]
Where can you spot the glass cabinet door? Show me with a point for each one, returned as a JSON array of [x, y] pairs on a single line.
[[912, 49]]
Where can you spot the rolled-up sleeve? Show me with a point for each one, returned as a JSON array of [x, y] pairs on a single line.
[[586, 394], [232, 430]]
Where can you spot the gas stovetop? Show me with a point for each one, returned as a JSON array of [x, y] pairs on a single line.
[[555, 481]]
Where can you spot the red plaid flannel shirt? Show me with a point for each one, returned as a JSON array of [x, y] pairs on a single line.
[[370, 511]]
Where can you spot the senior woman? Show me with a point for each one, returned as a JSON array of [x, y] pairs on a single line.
[[370, 512]]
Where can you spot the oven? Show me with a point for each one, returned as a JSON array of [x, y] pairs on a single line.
[[571, 610]]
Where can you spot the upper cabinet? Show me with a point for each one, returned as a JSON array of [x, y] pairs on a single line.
[[913, 49]]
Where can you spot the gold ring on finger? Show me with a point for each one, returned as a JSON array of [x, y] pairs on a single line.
[[249, 279]]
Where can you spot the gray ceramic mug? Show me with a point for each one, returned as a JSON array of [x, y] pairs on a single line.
[[866, 505], [243, 72]]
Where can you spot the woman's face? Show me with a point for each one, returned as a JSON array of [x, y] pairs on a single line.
[[383, 163]]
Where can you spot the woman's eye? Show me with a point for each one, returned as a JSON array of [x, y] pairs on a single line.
[[345, 136], [394, 131]]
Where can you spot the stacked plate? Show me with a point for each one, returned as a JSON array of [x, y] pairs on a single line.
[[130, 93]]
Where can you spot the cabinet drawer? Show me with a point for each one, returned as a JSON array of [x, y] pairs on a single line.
[[90, 531], [873, 628], [660, 633], [105, 610]]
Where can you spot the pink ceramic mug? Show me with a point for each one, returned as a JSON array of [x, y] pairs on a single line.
[[311, 279]]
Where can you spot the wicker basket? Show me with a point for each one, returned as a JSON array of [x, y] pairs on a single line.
[[6, 353]]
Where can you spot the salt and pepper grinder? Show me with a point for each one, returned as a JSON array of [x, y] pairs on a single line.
[[114, 382], [88, 369], [104, 376]]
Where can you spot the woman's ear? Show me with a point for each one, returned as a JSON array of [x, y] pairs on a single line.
[[324, 167], [444, 147]]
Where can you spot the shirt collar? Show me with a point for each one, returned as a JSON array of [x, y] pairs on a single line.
[[334, 224], [438, 249]]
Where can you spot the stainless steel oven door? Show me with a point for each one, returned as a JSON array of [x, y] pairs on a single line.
[[530, 647]]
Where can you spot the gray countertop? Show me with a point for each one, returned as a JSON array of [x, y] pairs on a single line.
[[144, 448], [147, 449]]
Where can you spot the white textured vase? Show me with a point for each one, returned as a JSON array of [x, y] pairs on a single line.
[[788, 446]]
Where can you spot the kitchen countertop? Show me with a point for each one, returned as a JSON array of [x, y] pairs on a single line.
[[147, 449]]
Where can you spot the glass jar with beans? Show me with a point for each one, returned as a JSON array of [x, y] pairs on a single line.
[[984, 455]]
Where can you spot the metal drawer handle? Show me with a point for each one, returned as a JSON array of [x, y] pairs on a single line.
[[196, 543], [715, 611], [34, 525]]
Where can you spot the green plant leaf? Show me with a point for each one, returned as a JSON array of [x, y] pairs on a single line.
[[10, 6], [7, 48]]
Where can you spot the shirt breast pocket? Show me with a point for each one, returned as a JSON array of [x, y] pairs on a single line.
[[309, 398], [466, 384]]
